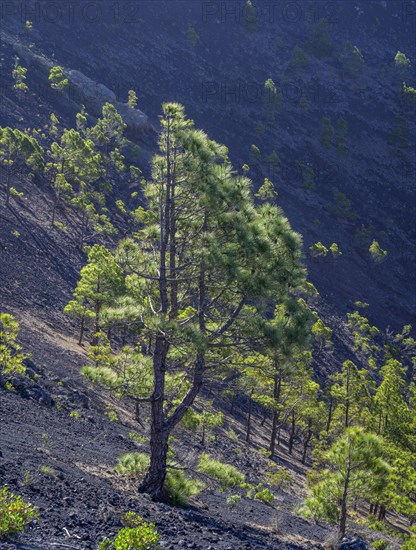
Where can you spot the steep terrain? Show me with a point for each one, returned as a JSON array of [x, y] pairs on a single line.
[[218, 73]]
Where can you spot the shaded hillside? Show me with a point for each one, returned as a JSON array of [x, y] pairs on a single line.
[[334, 132], [219, 76]]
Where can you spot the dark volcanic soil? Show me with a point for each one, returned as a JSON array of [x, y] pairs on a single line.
[[65, 466]]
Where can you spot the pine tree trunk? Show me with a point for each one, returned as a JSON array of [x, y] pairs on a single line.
[[305, 446], [81, 331], [343, 515], [159, 433], [276, 396], [8, 182], [156, 475], [292, 433], [329, 421], [250, 405]]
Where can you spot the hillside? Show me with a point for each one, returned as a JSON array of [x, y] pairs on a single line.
[[307, 95]]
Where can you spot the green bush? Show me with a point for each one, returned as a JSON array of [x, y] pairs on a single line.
[[136, 535], [181, 488], [265, 496], [280, 479], [133, 464], [15, 513], [227, 475], [410, 543], [318, 249], [233, 500], [57, 79], [377, 253]]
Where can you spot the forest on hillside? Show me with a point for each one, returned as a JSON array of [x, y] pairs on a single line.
[[206, 306]]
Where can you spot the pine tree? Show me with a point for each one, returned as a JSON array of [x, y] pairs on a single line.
[[132, 99], [200, 272], [355, 468], [351, 392], [11, 358], [100, 283], [18, 151]]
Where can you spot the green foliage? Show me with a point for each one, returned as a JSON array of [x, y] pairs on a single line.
[[342, 207], [18, 151], [19, 77], [57, 79], [136, 535], [266, 191], [266, 496], [133, 464], [318, 249], [180, 488], [100, 283], [227, 475], [335, 251], [205, 421], [377, 253], [47, 470], [234, 258], [355, 468], [401, 60], [11, 358], [233, 500], [322, 335], [28, 26], [409, 95], [281, 479], [15, 513], [132, 99], [272, 98]]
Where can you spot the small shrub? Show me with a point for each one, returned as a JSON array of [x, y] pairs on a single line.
[[15, 513], [47, 470], [401, 60], [335, 251], [232, 435], [111, 414], [265, 496], [57, 79], [410, 543], [280, 479], [133, 464], [181, 488], [74, 415], [380, 544], [227, 475], [318, 249], [136, 535], [137, 438], [27, 478], [377, 253], [233, 500], [16, 194]]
